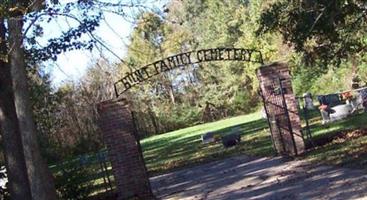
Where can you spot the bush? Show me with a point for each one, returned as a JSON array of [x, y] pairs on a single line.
[[179, 117], [73, 184]]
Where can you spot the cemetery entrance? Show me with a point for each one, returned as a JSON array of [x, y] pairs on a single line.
[[117, 124], [281, 109]]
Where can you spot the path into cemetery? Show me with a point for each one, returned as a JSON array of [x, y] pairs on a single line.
[[261, 178]]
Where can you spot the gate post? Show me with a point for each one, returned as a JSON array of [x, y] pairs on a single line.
[[128, 167], [281, 108]]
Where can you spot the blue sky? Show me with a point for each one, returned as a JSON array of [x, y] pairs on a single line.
[[72, 65], [114, 32]]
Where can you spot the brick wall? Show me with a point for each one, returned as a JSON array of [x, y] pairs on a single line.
[[286, 134], [124, 151]]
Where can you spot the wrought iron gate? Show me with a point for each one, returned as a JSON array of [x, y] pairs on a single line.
[[278, 115]]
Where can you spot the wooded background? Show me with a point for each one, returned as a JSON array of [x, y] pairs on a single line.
[[66, 116]]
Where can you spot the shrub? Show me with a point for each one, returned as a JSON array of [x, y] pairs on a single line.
[[72, 183]]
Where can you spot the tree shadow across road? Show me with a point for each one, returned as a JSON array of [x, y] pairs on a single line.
[[261, 178]]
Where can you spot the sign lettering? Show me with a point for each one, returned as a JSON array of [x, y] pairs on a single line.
[[183, 59]]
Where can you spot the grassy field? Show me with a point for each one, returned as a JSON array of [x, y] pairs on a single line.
[[336, 143], [183, 147], [342, 143]]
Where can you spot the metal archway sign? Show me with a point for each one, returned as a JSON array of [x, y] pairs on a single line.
[[183, 59]]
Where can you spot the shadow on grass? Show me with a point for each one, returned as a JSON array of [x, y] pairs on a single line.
[[352, 122], [310, 114], [338, 144], [180, 151], [321, 134]]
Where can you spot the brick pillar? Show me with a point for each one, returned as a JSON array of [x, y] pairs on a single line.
[[286, 134], [124, 151]]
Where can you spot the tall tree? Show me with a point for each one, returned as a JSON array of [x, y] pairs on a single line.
[[325, 32], [22, 49], [13, 149], [40, 177]]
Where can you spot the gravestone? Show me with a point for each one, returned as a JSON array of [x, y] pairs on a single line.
[[308, 101], [207, 137], [231, 139]]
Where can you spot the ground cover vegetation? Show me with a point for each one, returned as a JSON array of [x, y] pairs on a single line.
[[341, 143], [193, 94], [324, 44]]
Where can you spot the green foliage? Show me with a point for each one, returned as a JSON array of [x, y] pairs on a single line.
[[349, 153], [69, 183], [336, 80], [180, 116], [243, 101], [305, 79], [184, 147], [90, 174], [44, 105], [331, 80], [323, 31], [231, 87], [36, 14], [66, 119]]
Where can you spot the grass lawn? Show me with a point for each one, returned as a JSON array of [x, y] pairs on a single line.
[[183, 147], [347, 151]]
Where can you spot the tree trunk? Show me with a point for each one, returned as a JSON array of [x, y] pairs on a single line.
[[153, 119], [172, 94], [40, 178], [169, 87], [13, 149]]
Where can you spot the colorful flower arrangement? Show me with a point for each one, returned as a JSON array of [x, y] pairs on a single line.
[[348, 96], [323, 107]]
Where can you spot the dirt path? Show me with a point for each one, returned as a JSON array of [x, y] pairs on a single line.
[[262, 178]]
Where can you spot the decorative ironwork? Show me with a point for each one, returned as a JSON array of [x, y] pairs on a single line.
[[183, 59], [280, 121]]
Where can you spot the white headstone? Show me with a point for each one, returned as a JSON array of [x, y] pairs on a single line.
[[308, 101]]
